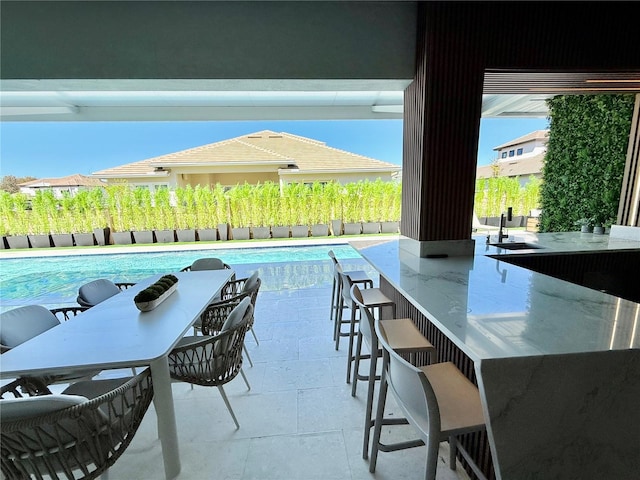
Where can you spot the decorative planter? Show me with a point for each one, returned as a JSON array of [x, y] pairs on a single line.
[[352, 228], [389, 227], [586, 229], [240, 233], [336, 227], [62, 239], [83, 239], [102, 235], [299, 231], [186, 235], [39, 241], [261, 232], [319, 230], [280, 232], [121, 238], [207, 234], [148, 306], [371, 227], [165, 236], [2, 243], [18, 241], [143, 236], [598, 230], [223, 231]]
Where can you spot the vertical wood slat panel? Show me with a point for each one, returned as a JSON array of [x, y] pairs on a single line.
[[477, 444], [629, 209]]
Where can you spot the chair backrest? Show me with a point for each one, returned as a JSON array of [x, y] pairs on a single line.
[[211, 263], [23, 323], [251, 287], [345, 281], [333, 257], [367, 320], [93, 293], [412, 391], [238, 314]]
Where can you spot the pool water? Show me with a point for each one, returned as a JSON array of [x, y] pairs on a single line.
[[54, 280]]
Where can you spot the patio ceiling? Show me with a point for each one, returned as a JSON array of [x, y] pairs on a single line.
[[506, 94]]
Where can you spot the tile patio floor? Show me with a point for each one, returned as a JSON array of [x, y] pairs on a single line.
[[298, 421]]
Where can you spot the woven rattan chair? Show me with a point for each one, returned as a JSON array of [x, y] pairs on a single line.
[[236, 290], [231, 294], [209, 263], [97, 291], [76, 435], [23, 323], [214, 360]]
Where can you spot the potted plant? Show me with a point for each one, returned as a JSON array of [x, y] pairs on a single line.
[[319, 220], [352, 213], [295, 198], [280, 227], [240, 211], [264, 199], [152, 296], [65, 223], [185, 214], [120, 210], [43, 210], [163, 216], [390, 206], [14, 216], [585, 224]]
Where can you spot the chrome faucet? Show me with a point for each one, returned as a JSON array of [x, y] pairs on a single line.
[[501, 235]]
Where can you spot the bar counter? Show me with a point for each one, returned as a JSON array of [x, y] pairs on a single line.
[[557, 364]]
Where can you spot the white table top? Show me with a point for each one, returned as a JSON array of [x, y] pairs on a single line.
[[493, 309], [114, 333]]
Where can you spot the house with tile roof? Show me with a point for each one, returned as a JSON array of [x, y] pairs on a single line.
[[521, 157], [71, 184], [253, 158]]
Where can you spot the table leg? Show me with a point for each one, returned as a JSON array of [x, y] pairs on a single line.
[[163, 402]]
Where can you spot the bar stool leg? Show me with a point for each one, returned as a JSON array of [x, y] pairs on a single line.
[[368, 422], [356, 365], [382, 398], [333, 299], [352, 331]]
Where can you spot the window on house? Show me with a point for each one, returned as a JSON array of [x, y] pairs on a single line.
[[504, 154], [511, 153], [519, 152]]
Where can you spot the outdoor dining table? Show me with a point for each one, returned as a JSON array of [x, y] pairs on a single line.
[[115, 334]]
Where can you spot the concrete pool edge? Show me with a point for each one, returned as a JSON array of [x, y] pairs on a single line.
[[169, 247]]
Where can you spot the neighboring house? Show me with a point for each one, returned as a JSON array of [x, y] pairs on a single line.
[[521, 158], [71, 184], [253, 158]]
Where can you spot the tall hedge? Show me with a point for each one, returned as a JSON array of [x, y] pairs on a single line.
[[585, 159]]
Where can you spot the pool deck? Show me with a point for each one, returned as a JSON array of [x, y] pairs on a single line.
[[299, 420]]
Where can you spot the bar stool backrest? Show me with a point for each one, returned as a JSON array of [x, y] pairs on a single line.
[[367, 323], [414, 394]]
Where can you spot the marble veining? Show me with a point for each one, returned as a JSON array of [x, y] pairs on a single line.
[[568, 416], [558, 364], [493, 309]]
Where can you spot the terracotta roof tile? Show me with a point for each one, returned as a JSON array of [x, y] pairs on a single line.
[[518, 168], [75, 180]]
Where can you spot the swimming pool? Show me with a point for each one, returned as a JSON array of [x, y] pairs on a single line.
[[54, 280]]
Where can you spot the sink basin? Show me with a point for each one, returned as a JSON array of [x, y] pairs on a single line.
[[517, 245]]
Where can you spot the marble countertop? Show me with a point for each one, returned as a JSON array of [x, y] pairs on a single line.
[[492, 309]]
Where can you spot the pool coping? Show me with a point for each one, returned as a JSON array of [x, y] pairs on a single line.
[[172, 247]]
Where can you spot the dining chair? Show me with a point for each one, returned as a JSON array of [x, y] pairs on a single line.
[[359, 277], [402, 335], [97, 291], [373, 298], [437, 400], [208, 263], [214, 360], [75, 435], [21, 324], [240, 288]]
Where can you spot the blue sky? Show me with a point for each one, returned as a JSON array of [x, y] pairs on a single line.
[[57, 149]]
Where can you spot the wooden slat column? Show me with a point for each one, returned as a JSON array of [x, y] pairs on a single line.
[[441, 127], [629, 209]]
